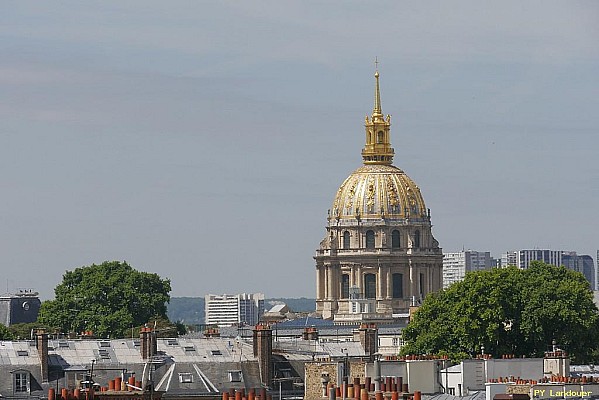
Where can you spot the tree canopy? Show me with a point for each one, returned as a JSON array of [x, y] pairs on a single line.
[[5, 333], [108, 299], [508, 311], [24, 330]]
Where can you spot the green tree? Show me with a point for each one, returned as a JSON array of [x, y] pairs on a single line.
[[108, 299], [508, 311], [24, 330], [5, 333]]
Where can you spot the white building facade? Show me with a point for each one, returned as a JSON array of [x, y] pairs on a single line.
[[455, 265], [234, 309], [523, 258]]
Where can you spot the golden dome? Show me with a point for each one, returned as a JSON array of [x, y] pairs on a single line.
[[378, 191]]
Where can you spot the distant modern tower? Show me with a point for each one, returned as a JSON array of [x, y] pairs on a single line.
[[569, 259], [580, 263], [379, 255], [455, 265], [523, 258], [234, 309]]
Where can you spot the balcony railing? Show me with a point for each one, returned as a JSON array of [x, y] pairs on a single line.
[[380, 251]]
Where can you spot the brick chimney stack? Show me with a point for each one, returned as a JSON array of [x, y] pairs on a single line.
[[369, 339], [148, 343], [41, 343], [263, 350]]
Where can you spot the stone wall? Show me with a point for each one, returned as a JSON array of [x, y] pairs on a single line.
[[315, 370]]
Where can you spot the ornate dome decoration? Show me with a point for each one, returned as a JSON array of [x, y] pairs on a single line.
[[378, 191], [379, 256]]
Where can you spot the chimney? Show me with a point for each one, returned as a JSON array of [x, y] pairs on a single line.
[[211, 332], [556, 362], [263, 350], [369, 339], [310, 333], [41, 343], [148, 343]]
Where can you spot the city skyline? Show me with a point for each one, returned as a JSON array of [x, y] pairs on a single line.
[[205, 142]]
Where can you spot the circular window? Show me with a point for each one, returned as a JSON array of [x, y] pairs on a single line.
[[26, 306]]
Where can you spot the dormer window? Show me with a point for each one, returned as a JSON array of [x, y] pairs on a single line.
[[235, 376], [21, 381]]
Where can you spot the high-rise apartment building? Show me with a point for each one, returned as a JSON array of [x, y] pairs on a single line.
[[455, 265], [523, 258], [234, 309], [580, 263], [569, 259]]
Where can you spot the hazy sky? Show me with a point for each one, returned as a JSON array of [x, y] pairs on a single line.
[[204, 141]]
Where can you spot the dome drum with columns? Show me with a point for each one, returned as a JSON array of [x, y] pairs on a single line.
[[379, 256]]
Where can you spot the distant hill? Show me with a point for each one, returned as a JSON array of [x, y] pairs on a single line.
[[190, 310]]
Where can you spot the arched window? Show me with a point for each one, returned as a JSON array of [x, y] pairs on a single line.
[[380, 136], [417, 239], [370, 286], [346, 240], [395, 239], [397, 286], [370, 240], [344, 286]]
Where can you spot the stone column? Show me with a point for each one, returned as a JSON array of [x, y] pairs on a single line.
[[326, 281], [379, 283], [389, 282], [331, 282], [318, 291], [361, 280], [413, 280]]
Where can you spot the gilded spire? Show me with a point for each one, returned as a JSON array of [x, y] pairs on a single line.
[[378, 148], [377, 97]]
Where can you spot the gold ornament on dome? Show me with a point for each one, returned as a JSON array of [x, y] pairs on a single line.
[[370, 195], [393, 201], [350, 196]]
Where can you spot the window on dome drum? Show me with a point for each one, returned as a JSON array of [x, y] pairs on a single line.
[[370, 286], [417, 239], [370, 240], [397, 286], [344, 286], [421, 285], [346, 240], [395, 239]]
